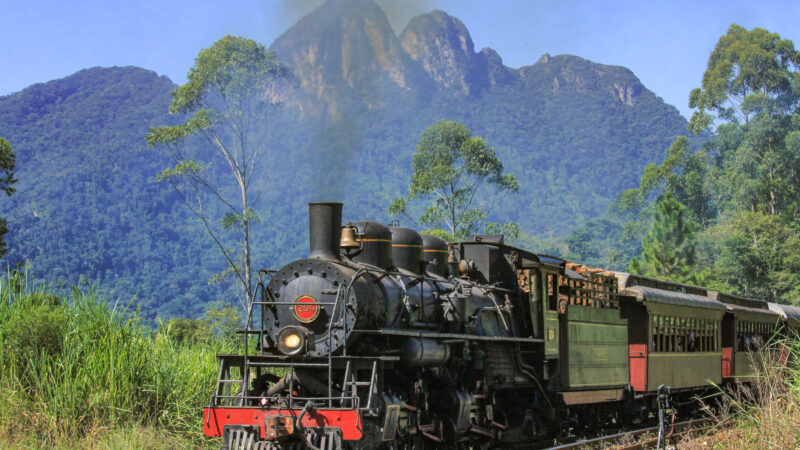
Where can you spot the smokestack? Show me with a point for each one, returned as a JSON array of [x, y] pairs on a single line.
[[325, 229]]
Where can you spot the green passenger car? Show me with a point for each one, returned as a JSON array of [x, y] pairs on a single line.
[[680, 346], [747, 327]]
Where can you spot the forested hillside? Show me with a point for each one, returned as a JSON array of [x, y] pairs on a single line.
[[87, 204], [575, 133], [724, 215]]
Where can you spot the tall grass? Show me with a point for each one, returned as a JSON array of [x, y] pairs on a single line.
[[71, 365], [763, 413]]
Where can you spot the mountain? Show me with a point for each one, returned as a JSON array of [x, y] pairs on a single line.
[[443, 47], [87, 203], [347, 58], [574, 132]]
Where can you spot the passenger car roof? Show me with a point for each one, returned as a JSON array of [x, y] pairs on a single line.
[[791, 313], [651, 294], [730, 299]]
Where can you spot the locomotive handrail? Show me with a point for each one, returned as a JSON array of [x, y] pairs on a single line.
[[428, 334], [330, 343], [246, 366], [358, 273], [355, 401], [281, 364], [291, 303], [498, 309], [455, 280], [290, 360]]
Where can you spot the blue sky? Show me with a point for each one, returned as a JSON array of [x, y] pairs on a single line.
[[666, 44]]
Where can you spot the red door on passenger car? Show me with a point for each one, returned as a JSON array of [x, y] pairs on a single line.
[[637, 353], [727, 362]]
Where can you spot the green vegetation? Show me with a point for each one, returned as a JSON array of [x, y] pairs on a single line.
[[739, 190], [668, 248], [88, 204], [227, 94], [449, 167], [74, 366], [763, 414], [7, 159]]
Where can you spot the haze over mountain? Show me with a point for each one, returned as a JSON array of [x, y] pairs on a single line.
[[574, 132]]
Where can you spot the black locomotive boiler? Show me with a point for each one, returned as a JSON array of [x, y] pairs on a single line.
[[385, 338]]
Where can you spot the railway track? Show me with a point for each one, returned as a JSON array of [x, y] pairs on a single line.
[[642, 438]]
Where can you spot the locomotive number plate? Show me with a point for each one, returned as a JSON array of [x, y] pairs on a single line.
[[306, 309]]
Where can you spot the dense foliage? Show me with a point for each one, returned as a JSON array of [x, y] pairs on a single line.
[[449, 167], [87, 204], [7, 159], [574, 133], [227, 97], [668, 248], [72, 365], [741, 186]]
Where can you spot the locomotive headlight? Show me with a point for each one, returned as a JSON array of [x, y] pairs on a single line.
[[294, 340]]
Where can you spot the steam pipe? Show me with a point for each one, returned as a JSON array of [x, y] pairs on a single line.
[[313, 385]]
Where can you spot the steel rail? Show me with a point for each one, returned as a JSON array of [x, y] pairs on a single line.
[[595, 442]]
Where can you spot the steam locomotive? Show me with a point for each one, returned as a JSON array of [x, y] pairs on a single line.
[[385, 338]]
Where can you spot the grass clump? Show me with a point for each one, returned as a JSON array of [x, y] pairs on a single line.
[[763, 413], [75, 370]]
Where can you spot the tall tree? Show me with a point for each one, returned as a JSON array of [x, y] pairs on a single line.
[[748, 71], [7, 180], [749, 99], [449, 168], [754, 254], [743, 184], [228, 102], [668, 248], [682, 173]]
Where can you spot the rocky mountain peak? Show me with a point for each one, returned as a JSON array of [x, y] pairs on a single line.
[[570, 73], [442, 45], [346, 49], [348, 59]]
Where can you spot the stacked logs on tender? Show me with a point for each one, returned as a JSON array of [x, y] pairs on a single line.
[[598, 288]]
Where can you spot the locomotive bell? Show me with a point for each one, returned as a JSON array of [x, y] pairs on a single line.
[[349, 238]]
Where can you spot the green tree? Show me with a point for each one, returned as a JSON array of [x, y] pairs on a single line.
[[668, 248], [682, 173], [597, 242], [229, 101], [756, 255], [748, 71], [449, 168], [748, 99], [742, 186], [220, 322], [7, 180]]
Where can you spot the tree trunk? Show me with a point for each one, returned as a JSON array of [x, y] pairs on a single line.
[[246, 234]]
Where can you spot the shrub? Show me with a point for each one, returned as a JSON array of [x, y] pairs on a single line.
[[764, 413], [74, 364], [39, 331]]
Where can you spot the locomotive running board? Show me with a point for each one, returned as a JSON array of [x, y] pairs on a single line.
[[434, 335]]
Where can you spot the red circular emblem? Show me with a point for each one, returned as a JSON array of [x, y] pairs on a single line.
[[306, 309]]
